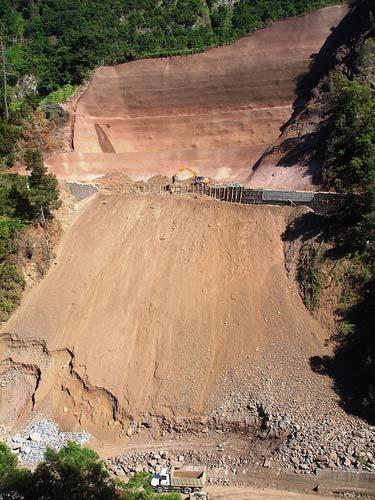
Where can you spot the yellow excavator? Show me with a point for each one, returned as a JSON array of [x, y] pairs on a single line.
[[197, 179]]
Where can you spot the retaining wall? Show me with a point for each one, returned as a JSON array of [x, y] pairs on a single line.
[[320, 202], [341, 482]]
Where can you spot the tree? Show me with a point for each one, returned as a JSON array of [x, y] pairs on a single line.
[[350, 157], [8, 461], [350, 168], [73, 472], [15, 483], [43, 187]]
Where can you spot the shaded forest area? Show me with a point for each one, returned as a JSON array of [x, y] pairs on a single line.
[[340, 258]]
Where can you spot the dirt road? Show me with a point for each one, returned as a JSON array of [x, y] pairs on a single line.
[[238, 493]]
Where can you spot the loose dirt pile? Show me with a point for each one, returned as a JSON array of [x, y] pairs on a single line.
[[152, 302], [216, 112], [171, 316]]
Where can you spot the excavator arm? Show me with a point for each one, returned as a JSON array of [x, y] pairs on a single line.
[[182, 169], [197, 179]]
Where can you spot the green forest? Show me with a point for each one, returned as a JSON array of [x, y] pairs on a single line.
[[350, 169]]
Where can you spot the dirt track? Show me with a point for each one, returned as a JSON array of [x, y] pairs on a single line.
[[157, 304], [234, 493], [216, 111]]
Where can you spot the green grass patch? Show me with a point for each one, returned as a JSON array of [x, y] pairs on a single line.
[[309, 275], [60, 95]]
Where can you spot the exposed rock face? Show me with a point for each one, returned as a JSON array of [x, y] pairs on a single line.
[[295, 159], [216, 112]]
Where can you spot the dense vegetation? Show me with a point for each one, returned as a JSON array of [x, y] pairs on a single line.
[[73, 472], [21, 201], [350, 169], [51, 46]]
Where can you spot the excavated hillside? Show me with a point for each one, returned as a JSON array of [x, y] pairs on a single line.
[[300, 147], [216, 112], [160, 306]]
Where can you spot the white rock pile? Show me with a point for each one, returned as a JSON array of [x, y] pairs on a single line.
[[31, 444]]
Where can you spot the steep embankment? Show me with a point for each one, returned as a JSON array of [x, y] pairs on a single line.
[[159, 306], [299, 150], [217, 111]]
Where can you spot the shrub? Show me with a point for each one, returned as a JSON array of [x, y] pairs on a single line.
[[309, 275], [43, 187], [12, 284], [60, 95], [73, 472]]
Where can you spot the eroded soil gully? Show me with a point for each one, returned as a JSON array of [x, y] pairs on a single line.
[[28, 368], [85, 397], [30, 372]]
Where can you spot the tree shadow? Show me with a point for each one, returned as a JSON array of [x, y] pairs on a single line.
[[308, 150], [306, 227], [352, 365], [331, 53]]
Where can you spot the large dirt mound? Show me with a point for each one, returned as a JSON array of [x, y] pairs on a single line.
[[217, 111], [154, 303]]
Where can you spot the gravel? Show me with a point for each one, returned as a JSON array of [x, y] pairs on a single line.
[[275, 441], [32, 442], [81, 191]]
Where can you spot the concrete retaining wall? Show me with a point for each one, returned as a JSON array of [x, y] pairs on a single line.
[[341, 482], [320, 202]]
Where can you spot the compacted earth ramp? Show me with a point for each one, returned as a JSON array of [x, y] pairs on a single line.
[[157, 305], [216, 112]]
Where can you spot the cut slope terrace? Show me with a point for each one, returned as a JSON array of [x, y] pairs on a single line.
[[216, 112]]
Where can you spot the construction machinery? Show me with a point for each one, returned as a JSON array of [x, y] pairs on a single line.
[[185, 480], [197, 179]]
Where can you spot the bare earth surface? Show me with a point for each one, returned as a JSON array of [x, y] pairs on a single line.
[[159, 305], [233, 493], [216, 112]]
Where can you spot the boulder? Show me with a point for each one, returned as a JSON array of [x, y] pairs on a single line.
[[35, 436]]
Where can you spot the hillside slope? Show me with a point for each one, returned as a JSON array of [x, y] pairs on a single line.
[[300, 148], [158, 306], [217, 111]]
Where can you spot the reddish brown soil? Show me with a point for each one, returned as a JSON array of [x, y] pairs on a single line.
[[237, 493], [153, 302], [216, 112]]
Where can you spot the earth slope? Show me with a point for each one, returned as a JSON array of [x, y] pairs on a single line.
[[298, 154], [156, 305], [217, 111]]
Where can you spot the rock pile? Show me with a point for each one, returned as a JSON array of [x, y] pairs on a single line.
[[336, 441], [31, 444], [326, 447], [275, 441], [152, 461]]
